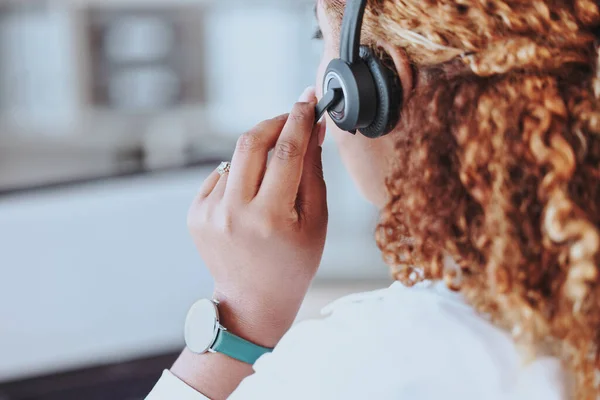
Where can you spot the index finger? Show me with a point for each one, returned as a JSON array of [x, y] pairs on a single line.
[[284, 172]]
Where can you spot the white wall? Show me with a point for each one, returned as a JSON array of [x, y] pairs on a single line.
[[257, 61], [38, 69], [98, 272], [107, 271]]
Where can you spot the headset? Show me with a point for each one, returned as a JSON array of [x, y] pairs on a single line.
[[362, 92]]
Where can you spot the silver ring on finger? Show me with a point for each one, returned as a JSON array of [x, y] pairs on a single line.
[[224, 168]]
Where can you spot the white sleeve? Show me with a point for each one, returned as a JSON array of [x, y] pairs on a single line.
[[340, 357], [169, 387]]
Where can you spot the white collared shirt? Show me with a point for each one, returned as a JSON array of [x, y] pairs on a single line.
[[397, 343]]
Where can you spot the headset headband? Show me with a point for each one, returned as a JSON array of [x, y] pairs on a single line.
[[351, 29]]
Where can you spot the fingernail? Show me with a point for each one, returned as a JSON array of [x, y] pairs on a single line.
[[322, 132], [308, 95]]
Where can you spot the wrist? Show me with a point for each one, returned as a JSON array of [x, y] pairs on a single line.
[[261, 323]]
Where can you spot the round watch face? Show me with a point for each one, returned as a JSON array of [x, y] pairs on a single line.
[[201, 326]]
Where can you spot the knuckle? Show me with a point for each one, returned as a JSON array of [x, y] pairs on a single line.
[[305, 206], [198, 217], [224, 221], [302, 112], [249, 142], [318, 169], [266, 226], [287, 150]]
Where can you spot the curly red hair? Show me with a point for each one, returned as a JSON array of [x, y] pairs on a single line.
[[498, 165]]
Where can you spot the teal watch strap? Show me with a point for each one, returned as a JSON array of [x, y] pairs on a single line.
[[238, 348]]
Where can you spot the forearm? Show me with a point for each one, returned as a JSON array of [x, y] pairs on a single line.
[[214, 375]]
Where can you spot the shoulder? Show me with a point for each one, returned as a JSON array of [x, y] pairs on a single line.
[[429, 314], [424, 324]]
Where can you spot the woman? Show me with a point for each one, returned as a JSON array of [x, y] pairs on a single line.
[[489, 191]]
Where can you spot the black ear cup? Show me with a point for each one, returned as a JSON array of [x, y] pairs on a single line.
[[357, 107], [389, 93], [361, 91]]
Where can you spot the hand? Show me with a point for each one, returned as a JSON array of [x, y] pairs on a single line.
[[261, 228]]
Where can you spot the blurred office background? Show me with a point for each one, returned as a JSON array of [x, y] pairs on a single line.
[[112, 113]]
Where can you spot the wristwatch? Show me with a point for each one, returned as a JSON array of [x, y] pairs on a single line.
[[204, 333]]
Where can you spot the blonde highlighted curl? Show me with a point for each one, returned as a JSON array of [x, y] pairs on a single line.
[[498, 165]]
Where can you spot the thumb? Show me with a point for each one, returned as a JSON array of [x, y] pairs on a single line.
[[312, 193]]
